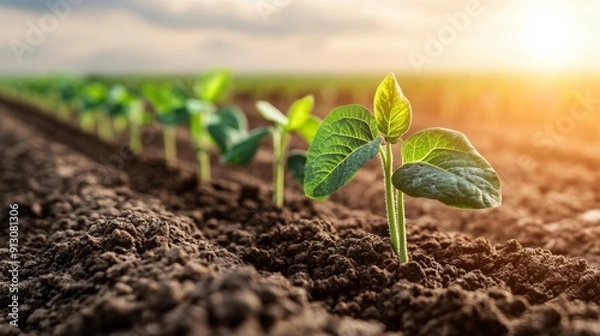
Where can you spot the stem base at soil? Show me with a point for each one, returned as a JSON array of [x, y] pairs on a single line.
[[390, 204], [401, 223], [394, 205]]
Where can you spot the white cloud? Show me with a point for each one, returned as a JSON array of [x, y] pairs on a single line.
[[302, 35]]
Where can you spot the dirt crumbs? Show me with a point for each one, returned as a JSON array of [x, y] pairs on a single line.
[[98, 261], [104, 254]]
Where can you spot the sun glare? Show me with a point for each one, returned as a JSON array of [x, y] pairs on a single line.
[[550, 37]]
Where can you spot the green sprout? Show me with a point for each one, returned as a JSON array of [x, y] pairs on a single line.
[[171, 111], [67, 97], [115, 107], [137, 118], [209, 124], [92, 98], [209, 90], [438, 163], [127, 111], [298, 119]]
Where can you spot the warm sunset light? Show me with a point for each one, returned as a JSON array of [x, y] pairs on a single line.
[[551, 37], [300, 167]]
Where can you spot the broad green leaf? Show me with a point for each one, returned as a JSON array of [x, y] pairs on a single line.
[[161, 97], [68, 91], [310, 127], [95, 91], [345, 141], [271, 113], [224, 136], [213, 86], [117, 101], [195, 106], [233, 117], [299, 112], [296, 162], [154, 93], [117, 94], [242, 152], [392, 109], [115, 110], [442, 164], [176, 116], [420, 144], [228, 127], [93, 97], [181, 92]]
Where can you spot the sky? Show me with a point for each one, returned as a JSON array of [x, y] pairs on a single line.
[[298, 36]]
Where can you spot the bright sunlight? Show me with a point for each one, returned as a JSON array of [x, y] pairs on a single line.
[[551, 38]]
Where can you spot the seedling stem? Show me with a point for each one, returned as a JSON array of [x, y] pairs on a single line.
[[105, 128], [280, 144], [402, 248], [204, 165], [202, 155], [135, 139], [87, 122], [393, 203], [170, 146]]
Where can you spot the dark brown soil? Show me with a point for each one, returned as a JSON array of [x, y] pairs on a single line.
[[135, 249]]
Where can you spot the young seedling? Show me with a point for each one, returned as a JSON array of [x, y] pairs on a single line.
[[67, 96], [92, 98], [209, 90], [227, 127], [298, 119], [137, 119], [438, 163], [208, 124], [124, 106], [115, 107], [171, 111]]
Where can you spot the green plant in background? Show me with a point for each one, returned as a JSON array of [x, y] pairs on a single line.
[[298, 119], [37, 91], [438, 163], [208, 91], [127, 111], [114, 107], [209, 124], [137, 119], [68, 91], [171, 111], [92, 99], [227, 127]]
